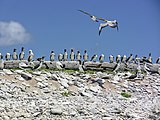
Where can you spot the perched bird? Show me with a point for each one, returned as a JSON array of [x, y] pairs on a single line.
[[146, 69], [65, 55], [101, 58], [8, 56], [81, 66], [30, 56], [111, 58], [94, 18], [135, 59], [145, 59], [99, 81], [41, 61], [112, 24], [52, 56], [129, 59], [72, 55], [14, 56], [78, 55], [150, 58], [1, 62], [94, 58], [123, 59], [158, 60], [85, 56], [1, 55], [41, 58], [59, 65], [21, 55], [117, 66], [118, 58], [60, 57]]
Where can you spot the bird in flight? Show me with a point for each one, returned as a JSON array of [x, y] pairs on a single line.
[[112, 24], [94, 18]]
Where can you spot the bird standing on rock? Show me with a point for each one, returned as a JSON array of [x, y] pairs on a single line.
[[85, 56], [30, 56], [118, 58], [65, 55], [150, 58], [123, 59], [21, 55], [72, 55], [78, 55], [111, 58], [52, 56], [101, 58], [94, 58], [60, 57], [8, 56], [14, 56], [129, 59], [1, 62], [41, 61]]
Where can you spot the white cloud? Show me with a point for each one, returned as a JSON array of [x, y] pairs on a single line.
[[12, 33]]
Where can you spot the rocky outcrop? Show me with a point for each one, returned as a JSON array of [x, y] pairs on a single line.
[[71, 95], [87, 65]]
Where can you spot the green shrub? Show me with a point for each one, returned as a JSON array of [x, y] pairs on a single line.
[[127, 95], [66, 93]]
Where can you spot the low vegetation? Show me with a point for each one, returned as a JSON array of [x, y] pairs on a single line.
[[127, 95], [66, 93]]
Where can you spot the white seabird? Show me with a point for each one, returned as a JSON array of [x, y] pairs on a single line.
[[60, 57], [52, 56], [1, 62], [59, 65], [123, 59], [14, 56], [39, 66], [81, 66], [117, 66], [21, 55], [94, 58], [150, 58], [1, 55], [78, 55], [72, 55], [112, 24], [101, 58], [129, 59], [8, 56], [118, 58], [85, 56], [94, 18], [65, 55], [30, 56], [111, 58]]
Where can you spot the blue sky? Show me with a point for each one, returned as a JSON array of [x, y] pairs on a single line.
[[46, 25]]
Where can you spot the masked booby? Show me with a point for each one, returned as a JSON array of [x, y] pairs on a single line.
[[21, 55], [112, 24], [14, 56]]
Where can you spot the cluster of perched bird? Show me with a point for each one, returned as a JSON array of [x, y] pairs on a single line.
[[72, 56], [112, 24]]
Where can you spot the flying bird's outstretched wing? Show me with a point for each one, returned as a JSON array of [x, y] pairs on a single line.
[[94, 18], [85, 13]]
